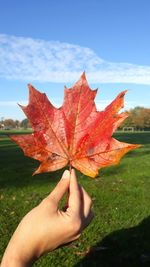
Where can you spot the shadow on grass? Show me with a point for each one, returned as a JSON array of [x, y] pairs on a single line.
[[142, 138], [18, 177], [122, 248], [138, 153], [17, 170]]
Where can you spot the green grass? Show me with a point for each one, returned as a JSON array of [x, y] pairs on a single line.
[[119, 235]]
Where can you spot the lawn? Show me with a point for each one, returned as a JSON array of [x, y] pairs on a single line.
[[119, 235]]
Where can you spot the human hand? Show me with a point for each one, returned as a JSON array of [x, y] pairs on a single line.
[[46, 227]]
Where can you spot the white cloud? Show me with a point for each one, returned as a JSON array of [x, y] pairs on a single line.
[[12, 103], [102, 104], [32, 59]]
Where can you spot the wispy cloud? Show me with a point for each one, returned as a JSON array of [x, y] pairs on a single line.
[[39, 60], [12, 103], [100, 104]]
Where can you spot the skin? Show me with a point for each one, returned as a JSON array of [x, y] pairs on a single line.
[[46, 227]]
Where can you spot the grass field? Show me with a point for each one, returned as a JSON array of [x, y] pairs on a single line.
[[119, 235]]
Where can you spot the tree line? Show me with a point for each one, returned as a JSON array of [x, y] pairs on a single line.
[[8, 124], [138, 119]]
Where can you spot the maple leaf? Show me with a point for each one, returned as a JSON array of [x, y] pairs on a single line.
[[75, 133]]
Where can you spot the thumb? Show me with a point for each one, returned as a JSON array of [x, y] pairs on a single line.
[[61, 188]]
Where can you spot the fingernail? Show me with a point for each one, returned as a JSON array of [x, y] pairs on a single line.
[[66, 174]]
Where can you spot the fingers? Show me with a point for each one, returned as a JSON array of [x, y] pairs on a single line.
[[88, 219], [79, 201], [60, 189], [75, 194], [87, 203]]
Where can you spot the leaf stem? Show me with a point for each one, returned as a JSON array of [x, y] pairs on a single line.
[[70, 166]]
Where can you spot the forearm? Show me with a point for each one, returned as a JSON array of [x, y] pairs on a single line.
[[13, 259]]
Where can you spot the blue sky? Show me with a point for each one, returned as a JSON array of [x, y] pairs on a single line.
[[50, 43]]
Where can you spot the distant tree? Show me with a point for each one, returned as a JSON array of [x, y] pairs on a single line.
[[25, 124], [145, 114], [17, 124], [139, 118], [1, 125], [129, 121], [9, 123], [1, 122]]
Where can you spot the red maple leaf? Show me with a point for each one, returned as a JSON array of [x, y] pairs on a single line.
[[75, 133]]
